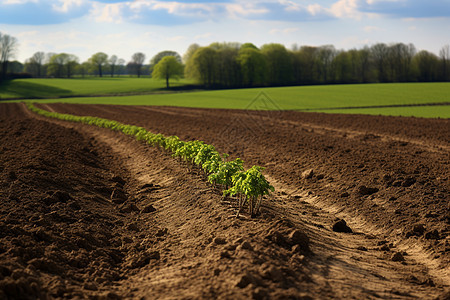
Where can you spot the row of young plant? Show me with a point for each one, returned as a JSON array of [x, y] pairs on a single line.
[[248, 186]]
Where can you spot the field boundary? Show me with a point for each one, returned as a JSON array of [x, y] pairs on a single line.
[[376, 106]]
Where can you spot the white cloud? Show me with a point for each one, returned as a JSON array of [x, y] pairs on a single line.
[[175, 13], [285, 31], [18, 1], [235, 9], [172, 7], [290, 6], [354, 42], [203, 36], [370, 29], [370, 2], [65, 5], [176, 38], [109, 13], [346, 9], [27, 34], [315, 9]]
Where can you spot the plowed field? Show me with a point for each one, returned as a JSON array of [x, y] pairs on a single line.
[[90, 213]]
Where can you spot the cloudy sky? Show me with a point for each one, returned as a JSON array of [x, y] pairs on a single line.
[[123, 27]]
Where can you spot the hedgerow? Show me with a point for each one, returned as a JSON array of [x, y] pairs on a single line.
[[248, 186]]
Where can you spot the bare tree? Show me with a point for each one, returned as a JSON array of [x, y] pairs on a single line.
[[379, 53], [8, 47], [326, 55], [120, 65], [71, 64], [444, 54], [137, 60], [364, 57]]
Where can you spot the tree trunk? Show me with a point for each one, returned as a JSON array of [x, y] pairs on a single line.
[[167, 81], [4, 70]]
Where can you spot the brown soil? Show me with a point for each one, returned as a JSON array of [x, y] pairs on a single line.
[[86, 212]]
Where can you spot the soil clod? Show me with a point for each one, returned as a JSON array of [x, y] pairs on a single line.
[[148, 209], [398, 256], [341, 226], [364, 190]]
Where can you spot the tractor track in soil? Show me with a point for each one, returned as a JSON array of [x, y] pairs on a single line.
[[200, 245]]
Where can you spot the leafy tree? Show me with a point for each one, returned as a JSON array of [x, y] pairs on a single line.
[[190, 52], [62, 64], [343, 65], [305, 62], [253, 65], [427, 65], [168, 67], [364, 65], [225, 45], [83, 69], [8, 47], [279, 64], [248, 46], [202, 66], [157, 58], [227, 68], [98, 61], [15, 66], [57, 65]]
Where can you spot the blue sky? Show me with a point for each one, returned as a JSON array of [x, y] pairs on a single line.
[[123, 27]]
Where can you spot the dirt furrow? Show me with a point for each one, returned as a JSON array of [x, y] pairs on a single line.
[[179, 240], [407, 181], [191, 246]]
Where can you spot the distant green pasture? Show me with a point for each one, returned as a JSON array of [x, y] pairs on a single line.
[[94, 86], [364, 99]]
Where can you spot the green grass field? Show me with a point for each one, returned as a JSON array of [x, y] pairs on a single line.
[[93, 86], [330, 99]]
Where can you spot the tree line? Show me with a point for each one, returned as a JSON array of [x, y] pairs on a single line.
[[64, 65], [228, 65], [233, 65]]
